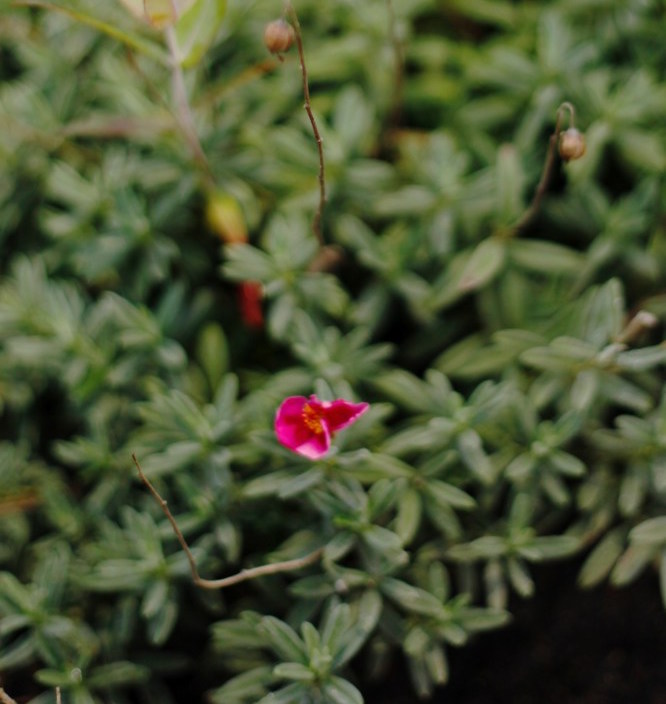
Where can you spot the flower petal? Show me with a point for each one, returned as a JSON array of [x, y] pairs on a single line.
[[295, 434], [339, 414], [315, 447]]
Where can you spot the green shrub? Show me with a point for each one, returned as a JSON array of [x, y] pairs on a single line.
[[154, 182]]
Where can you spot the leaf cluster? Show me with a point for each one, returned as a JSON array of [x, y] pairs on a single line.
[[515, 374]]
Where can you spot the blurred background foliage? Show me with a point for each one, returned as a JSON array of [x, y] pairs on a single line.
[[162, 291]]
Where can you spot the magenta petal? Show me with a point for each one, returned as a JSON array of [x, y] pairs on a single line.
[[295, 434], [306, 425], [315, 447], [290, 429], [339, 414]]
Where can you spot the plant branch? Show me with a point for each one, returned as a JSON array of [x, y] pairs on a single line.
[[547, 173], [637, 325], [5, 698], [316, 221], [242, 576]]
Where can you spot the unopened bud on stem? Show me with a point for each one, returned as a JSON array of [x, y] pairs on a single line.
[[279, 36], [572, 144]]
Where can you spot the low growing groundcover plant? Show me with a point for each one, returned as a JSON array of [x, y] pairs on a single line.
[[291, 396]]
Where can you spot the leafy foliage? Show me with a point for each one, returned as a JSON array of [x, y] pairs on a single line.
[[515, 374]]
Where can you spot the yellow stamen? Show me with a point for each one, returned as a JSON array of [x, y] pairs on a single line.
[[312, 418]]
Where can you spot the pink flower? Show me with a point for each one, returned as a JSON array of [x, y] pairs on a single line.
[[306, 426]]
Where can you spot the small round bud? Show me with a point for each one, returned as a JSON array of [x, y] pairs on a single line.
[[572, 144], [279, 35]]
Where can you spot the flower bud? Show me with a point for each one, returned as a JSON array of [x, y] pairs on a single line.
[[572, 144], [225, 218], [279, 35]]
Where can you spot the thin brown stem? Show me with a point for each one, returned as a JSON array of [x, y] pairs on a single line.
[[640, 322], [242, 576], [316, 221], [547, 173], [5, 698]]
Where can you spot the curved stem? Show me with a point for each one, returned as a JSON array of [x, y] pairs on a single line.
[[316, 221], [533, 208], [250, 573]]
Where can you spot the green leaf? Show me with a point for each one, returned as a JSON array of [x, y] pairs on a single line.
[[283, 639], [339, 691], [311, 638], [409, 514], [213, 353], [337, 621], [411, 598], [51, 677], [293, 671], [494, 580], [416, 641], [545, 257], [488, 546], [197, 28], [437, 664], [155, 598], [248, 263], [237, 634], [519, 577], [485, 262], [650, 532], [642, 359], [19, 652], [15, 593], [248, 686], [301, 483], [293, 693], [633, 489], [478, 619], [600, 561], [471, 451], [267, 485], [339, 545], [566, 464], [550, 547], [448, 495], [386, 544], [366, 613], [632, 562], [162, 623], [117, 674], [132, 40], [352, 117], [509, 184]]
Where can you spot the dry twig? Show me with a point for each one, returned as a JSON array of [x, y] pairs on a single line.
[[547, 173], [316, 221], [243, 575], [5, 698]]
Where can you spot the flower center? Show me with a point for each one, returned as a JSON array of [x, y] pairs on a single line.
[[312, 419]]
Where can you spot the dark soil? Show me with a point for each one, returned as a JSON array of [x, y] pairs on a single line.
[[564, 646]]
